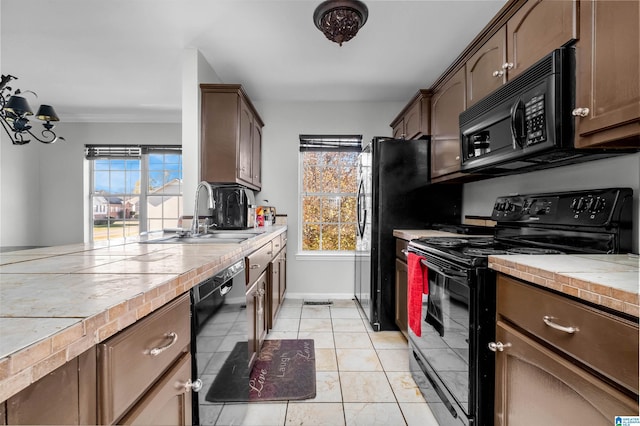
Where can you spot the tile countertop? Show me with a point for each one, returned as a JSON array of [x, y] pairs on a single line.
[[610, 280], [57, 302]]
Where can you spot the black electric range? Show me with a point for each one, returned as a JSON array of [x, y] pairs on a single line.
[[450, 359]]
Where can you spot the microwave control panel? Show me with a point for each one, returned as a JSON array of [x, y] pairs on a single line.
[[534, 118]]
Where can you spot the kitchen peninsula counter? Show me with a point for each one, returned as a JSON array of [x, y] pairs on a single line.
[[57, 302], [610, 280]]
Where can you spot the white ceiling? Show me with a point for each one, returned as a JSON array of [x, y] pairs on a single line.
[[121, 60]]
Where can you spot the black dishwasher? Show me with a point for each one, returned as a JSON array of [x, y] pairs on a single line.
[[218, 325]]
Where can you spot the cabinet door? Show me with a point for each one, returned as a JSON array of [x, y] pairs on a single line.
[[413, 121], [398, 130], [282, 261], [447, 104], [401, 296], [65, 396], [261, 310], [608, 60], [51, 400], [251, 322], [168, 402], [245, 143], [219, 136], [484, 69], [536, 29], [534, 386], [256, 152], [273, 294]]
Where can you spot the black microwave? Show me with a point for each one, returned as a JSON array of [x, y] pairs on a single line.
[[527, 124]]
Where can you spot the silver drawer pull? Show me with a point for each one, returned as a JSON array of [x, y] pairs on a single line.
[[255, 266], [193, 386], [549, 321], [498, 346], [405, 252], [157, 351]]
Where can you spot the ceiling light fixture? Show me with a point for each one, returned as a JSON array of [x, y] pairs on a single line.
[[14, 110], [340, 20]]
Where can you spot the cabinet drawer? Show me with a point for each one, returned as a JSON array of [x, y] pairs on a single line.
[[278, 243], [401, 249], [258, 261], [168, 402], [128, 364], [605, 343]]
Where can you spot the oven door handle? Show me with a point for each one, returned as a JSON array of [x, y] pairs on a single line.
[[450, 272]]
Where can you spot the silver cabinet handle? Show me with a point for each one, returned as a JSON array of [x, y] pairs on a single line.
[[405, 252], [498, 73], [157, 351], [193, 386], [580, 112], [548, 320], [498, 346], [255, 266], [507, 66]]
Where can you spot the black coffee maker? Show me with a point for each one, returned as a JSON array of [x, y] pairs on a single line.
[[235, 207]]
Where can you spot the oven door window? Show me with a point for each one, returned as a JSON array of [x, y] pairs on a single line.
[[445, 333]]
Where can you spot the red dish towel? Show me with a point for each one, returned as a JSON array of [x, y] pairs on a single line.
[[418, 277]]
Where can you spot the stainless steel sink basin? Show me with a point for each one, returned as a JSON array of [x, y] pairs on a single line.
[[215, 237]]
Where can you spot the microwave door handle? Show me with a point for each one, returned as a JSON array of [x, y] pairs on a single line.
[[517, 125]]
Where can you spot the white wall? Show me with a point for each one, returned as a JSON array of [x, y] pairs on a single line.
[[284, 122], [195, 70], [44, 188], [623, 171]]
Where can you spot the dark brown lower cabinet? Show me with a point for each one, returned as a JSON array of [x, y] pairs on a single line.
[[535, 386], [66, 396], [560, 361], [168, 402], [401, 296], [256, 313], [401, 286]]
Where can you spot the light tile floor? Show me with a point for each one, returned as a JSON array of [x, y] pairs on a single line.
[[362, 376]]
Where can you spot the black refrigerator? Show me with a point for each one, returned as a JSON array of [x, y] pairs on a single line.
[[394, 192]]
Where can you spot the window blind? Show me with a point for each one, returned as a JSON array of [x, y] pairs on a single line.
[[344, 143], [126, 151]]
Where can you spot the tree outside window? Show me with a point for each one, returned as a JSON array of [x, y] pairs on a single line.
[[328, 198]]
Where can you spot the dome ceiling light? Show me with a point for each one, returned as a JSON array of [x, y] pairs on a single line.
[[340, 20]]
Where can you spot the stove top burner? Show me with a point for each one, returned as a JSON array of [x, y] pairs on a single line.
[[445, 241], [532, 250], [481, 242], [479, 251]]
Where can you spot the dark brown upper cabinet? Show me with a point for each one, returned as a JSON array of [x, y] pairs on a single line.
[[231, 136], [413, 121]]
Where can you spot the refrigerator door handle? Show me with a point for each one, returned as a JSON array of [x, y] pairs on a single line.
[[359, 208]]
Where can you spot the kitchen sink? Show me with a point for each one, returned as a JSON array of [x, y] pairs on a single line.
[[213, 237]]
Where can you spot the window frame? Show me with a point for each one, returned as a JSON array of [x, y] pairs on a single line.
[[141, 153], [349, 143]]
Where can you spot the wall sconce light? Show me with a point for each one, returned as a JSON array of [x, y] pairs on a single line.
[[15, 109], [340, 20]]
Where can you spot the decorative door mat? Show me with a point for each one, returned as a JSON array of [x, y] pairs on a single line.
[[284, 370]]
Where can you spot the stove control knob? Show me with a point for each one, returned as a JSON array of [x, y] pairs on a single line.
[[578, 205], [595, 205]]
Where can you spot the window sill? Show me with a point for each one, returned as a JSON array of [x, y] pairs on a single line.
[[330, 256]]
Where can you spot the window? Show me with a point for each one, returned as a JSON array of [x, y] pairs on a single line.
[[328, 192], [134, 189]]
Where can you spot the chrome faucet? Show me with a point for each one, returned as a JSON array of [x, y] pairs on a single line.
[[211, 205]]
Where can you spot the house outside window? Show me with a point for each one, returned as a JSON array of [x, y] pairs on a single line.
[[328, 182], [134, 190]]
